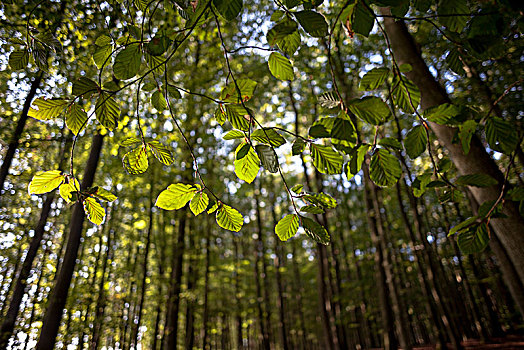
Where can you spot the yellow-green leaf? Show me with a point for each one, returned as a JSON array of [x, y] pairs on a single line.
[[199, 203], [287, 227], [95, 212], [175, 196], [46, 181], [135, 161], [229, 218], [47, 108], [247, 167]]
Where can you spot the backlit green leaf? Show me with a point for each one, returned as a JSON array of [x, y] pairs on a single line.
[[47, 108], [326, 159], [161, 152], [45, 181], [268, 136], [371, 109], [199, 203], [268, 157], [229, 9], [85, 87], [477, 180], [313, 23], [18, 59], [473, 240], [107, 111], [373, 79], [416, 141], [76, 118], [280, 67], [384, 169], [247, 167], [127, 62], [175, 196], [287, 227], [95, 212], [135, 162], [229, 218]]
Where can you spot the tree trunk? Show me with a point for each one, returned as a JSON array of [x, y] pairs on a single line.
[[192, 277], [508, 230], [58, 295], [171, 329], [205, 312], [15, 139]]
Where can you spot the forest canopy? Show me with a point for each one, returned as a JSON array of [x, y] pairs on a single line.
[[166, 162]]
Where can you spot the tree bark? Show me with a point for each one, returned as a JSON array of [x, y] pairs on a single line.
[[508, 230], [58, 295], [15, 139], [171, 329]]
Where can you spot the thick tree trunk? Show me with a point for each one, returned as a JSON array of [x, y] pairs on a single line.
[[508, 230], [58, 295]]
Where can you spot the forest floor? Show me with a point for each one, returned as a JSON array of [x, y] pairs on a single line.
[[508, 342]]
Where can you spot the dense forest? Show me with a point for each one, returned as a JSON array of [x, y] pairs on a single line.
[[281, 174]]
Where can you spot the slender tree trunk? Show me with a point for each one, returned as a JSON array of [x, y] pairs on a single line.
[[238, 301], [260, 298], [282, 327], [427, 289], [171, 329], [98, 322], [388, 327], [508, 230], [58, 295], [205, 312], [145, 263], [299, 292], [192, 277], [15, 139]]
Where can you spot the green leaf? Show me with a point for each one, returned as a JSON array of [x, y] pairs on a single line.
[[175, 196], [343, 128], [158, 101], [243, 151], [95, 212], [268, 157], [329, 100], [47, 108], [229, 218], [313, 23], [384, 169], [268, 136], [298, 147], [213, 208], [466, 132], [357, 155], [161, 152], [474, 240], [442, 114], [76, 118], [18, 59], [281, 30], [371, 109], [450, 12], [297, 188], [40, 55], [453, 59], [199, 203], [158, 45], [45, 181], [280, 67], [238, 116], [501, 135], [463, 225], [287, 227], [66, 189], [416, 141], [373, 79], [127, 62], [326, 159], [233, 134], [246, 87], [104, 194], [135, 162], [229, 9], [321, 128], [107, 111], [391, 143], [516, 194], [312, 209], [85, 87], [420, 183], [362, 20], [315, 231], [103, 50], [405, 93], [320, 199], [247, 167], [477, 180], [290, 43], [130, 141]]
